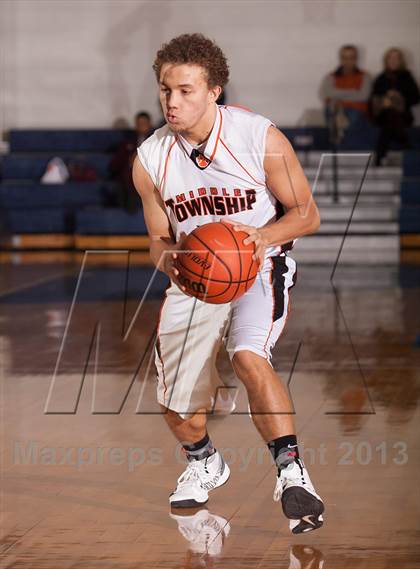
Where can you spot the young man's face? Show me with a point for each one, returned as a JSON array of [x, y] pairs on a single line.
[[184, 95]]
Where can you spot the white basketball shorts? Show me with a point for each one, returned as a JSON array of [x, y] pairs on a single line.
[[190, 333]]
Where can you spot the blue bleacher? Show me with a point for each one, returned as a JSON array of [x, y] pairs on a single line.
[[65, 140], [70, 195], [410, 191], [308, 138], [106, 140], [110, 221], [32, 166], [411, 163], [410, 218], [361, 137], [40, 220], [31, 207]]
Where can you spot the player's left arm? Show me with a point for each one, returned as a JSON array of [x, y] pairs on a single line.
[[287, 182]]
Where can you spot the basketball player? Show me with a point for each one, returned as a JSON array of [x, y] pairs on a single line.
[[206, 164]]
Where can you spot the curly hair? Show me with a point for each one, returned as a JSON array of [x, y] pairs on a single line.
[[195, 49]]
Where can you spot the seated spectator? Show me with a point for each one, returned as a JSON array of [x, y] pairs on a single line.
[[122, 162], [345, 93], [143, 126], [394, 93]]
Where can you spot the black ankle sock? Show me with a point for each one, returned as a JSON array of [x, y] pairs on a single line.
[[284, 450], [199, 450]]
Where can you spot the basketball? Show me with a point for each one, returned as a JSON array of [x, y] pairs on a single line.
[[214, 264]]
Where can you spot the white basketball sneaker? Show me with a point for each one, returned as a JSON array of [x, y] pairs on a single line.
[[198, 479], [301, 504], [204, 531]]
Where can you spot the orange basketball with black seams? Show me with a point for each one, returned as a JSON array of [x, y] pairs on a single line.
[[214, 264]]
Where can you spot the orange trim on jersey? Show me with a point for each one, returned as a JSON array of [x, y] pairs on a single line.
[[218, 135], [166, 165], [242, 166]]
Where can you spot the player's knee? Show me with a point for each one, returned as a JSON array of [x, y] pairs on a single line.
[[194, 421], [248, 365]]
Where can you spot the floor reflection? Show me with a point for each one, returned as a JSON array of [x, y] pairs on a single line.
[[355, 355], [305, 557], [205, 533]]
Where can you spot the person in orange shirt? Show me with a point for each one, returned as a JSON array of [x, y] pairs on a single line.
[[345, 93]]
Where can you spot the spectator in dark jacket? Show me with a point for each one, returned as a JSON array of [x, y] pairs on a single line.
[[121, 164], [394, 93]]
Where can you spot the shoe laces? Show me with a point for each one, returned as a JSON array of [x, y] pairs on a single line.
[[192, 473], [288, 476]]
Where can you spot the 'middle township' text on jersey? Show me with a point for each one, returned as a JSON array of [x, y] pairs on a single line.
[[225, 180]]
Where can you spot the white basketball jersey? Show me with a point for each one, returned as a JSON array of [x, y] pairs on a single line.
[[226, 180]]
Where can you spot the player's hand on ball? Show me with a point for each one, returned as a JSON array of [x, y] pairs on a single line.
[[169, 263], [171, 270], [254, 236]]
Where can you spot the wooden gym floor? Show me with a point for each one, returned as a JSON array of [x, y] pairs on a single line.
[[88, 487]]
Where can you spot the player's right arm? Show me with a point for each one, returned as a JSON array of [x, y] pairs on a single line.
[[162, 243]]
